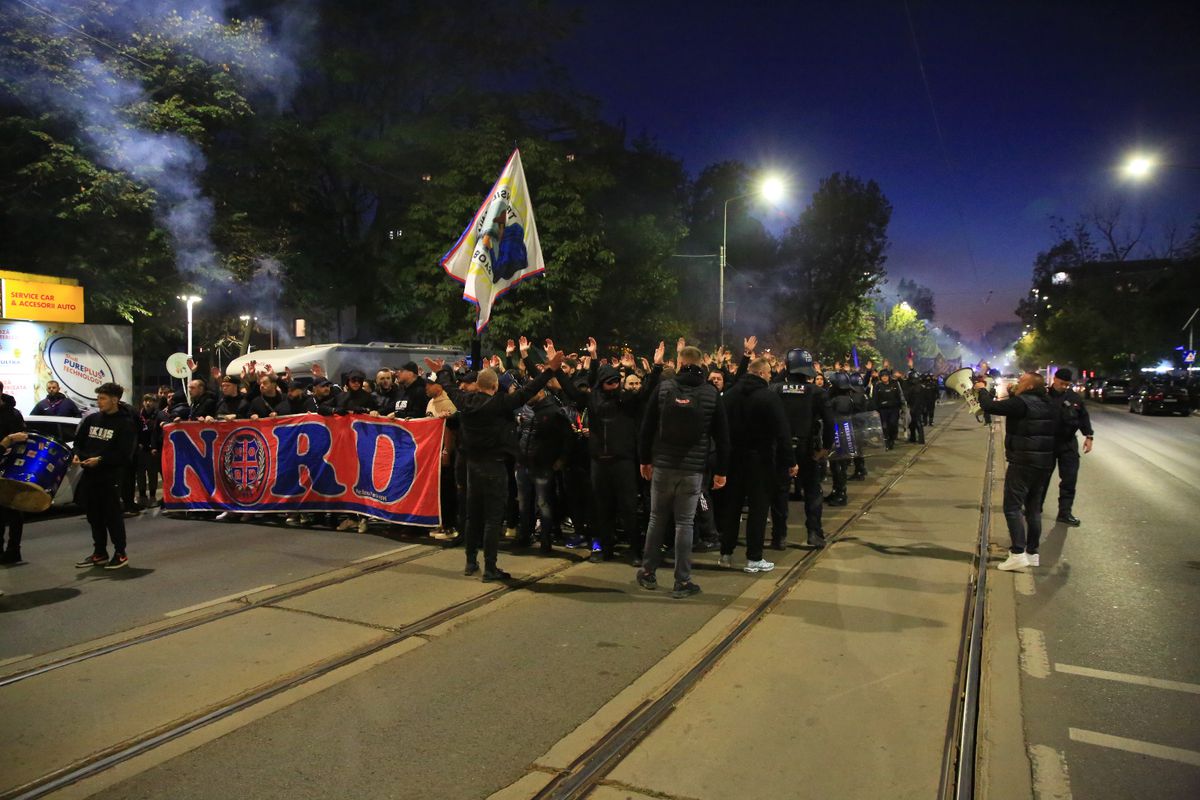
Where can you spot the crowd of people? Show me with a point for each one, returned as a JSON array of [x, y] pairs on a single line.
[[605, 454], [655, 458]]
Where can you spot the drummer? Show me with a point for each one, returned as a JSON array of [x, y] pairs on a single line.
[[104, 447], [12, 522]]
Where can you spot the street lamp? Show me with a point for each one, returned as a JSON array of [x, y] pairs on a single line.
[[190, 300], [772, 188], [1139, 166]]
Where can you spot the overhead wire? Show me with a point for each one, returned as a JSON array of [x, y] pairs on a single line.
[[84, 33]]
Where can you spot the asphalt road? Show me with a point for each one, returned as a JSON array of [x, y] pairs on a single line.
[[1114, 691], [174, 563]]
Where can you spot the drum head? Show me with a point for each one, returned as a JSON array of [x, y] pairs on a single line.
[[23, 496]]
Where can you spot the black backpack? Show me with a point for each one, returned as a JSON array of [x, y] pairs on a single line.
[[681, 418]]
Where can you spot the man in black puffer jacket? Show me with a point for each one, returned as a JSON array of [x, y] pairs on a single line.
[[680, 421], [1029, 442], [544, 445]]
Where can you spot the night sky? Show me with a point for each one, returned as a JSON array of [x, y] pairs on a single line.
[[1038, 104]]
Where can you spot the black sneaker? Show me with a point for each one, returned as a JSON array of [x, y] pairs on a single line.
[[836, 499], [646, 580], [686, 589], [702, 546], [858, 476], [11, 557], [471, 568], [117, 561], [816, 540], [596, 556], [779, 544], [94, 560], [495, 574], [1069, 519]]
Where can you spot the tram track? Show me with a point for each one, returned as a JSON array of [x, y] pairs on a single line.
[[128, 749], [187, 624], [589, 770]]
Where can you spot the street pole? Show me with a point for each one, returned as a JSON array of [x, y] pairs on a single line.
[[189, 327], [721, 291]]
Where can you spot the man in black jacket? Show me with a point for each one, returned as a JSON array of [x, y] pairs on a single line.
[[485, 420], [12, 432], [811, 421], [413, 401], [355, 399], [104, 446], [1029, 441], [614, 413], [201, 403], [230, 404], [681, 420], [269, 398], [1073, 417], [387, 393], [761, 448], [916, 396]]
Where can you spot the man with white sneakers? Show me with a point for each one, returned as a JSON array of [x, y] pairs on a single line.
[[1029, 444]]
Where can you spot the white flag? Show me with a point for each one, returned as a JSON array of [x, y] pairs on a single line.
[[500, 247]]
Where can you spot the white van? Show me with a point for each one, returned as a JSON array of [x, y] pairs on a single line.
[[339, 359]]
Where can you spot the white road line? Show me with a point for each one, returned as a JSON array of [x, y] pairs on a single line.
[[1023, 583], [1124, 677], [218, 601], [385, 553], [1035, 659], [1051, 780], [1136, 746]]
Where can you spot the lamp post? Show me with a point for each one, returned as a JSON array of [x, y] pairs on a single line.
[[190, 300], [772, 189], [1142, 166]]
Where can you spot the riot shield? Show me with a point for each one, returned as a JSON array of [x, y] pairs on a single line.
[[856, 436]]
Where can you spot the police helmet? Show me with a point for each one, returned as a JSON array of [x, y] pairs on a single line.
[[856, 379], [800, 362], [840, 381]]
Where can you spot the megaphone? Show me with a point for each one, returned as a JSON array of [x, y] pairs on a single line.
[[963, 382]]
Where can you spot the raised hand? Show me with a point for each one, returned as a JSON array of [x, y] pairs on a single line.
[[214, 372], [627, 359], [585, 362], [679, 345], [510, 347], [317, 370], [524, 344], [550, 351], [750, 345], [435, 364], [592, 347], [660, 352], [645, 364], [555, 359], [191, 362]]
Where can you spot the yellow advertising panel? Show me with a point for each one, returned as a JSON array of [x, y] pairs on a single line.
[[42, 302]]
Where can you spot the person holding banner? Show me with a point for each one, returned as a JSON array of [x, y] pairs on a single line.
[[485, 419]]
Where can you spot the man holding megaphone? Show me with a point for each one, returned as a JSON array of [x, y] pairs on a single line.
[[1029, 444]]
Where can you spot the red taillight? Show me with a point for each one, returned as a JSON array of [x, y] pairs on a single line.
[[1155, 397]]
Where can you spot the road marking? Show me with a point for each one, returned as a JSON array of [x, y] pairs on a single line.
[[1035, 659], [1124, 677], [1023, 583], [13, 660], [1051, 779], [1136, 746], [218, 601], [385, 553]]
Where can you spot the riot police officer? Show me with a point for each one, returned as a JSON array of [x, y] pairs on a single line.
[[809, 417], [841, 405], [888, 400], [862, 404]]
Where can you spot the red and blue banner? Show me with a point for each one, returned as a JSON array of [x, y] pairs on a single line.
[[383, 468]]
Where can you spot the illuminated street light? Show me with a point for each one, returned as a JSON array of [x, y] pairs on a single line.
[[773, 189], [190, 300], [1139, 166], [904, 306]]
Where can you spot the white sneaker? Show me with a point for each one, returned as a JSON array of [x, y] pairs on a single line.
[[725, 561], [759, 566], [346, 524], [1033, 559], [510, 533], [1014, 561], [362, 525], [224, 515]]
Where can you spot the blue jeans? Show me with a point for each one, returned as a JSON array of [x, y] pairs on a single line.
[[672, 492], [535, 496]]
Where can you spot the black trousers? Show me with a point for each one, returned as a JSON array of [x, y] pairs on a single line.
[[101, 490], [890, 417], [614, 500], [752, 481], [448, 494], [860, 466], [1067, 459], [148, 466], [487, 500], [14, 522], [837, 470], [808, 489], [460, 493], [780, 495], [1024, 489]]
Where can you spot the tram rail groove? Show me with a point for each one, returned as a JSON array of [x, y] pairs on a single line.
[[588, 771], [958, 759], [187, 624], [131, 748]]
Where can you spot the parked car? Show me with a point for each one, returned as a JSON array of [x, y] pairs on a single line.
[[1160, 398], [1090, 387], [1113, 390]]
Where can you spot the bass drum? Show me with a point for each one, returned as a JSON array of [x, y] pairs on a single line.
[[31, 472]]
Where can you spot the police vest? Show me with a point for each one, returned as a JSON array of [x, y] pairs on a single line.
[[799, 406]]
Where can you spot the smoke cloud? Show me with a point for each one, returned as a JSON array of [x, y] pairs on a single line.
[[101, 91]]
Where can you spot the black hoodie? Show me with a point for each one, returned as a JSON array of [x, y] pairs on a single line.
[[614, 416], [112, 437]]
